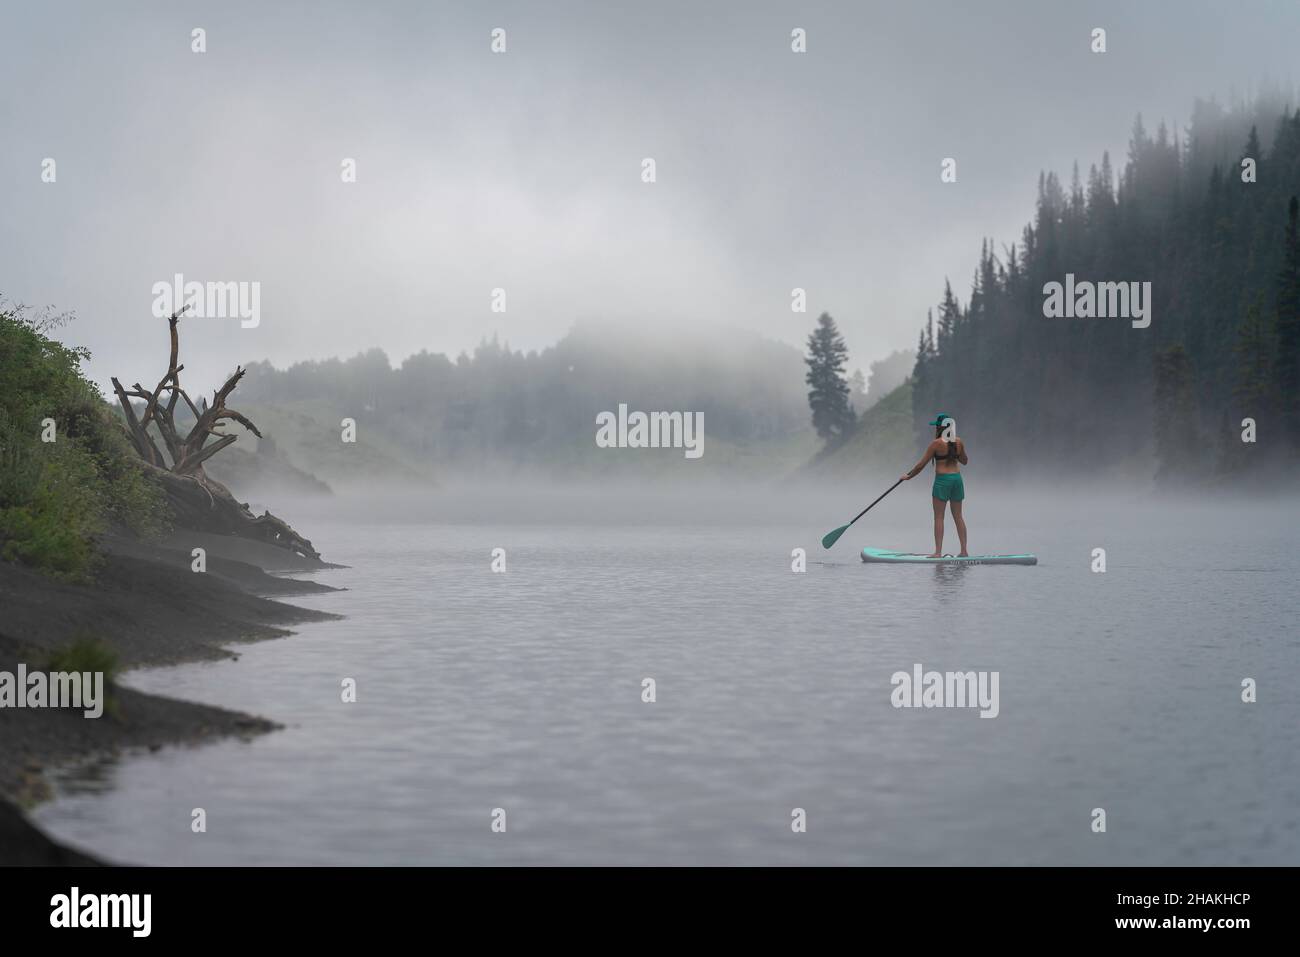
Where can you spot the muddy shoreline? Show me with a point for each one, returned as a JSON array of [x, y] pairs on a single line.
[[151, 609]]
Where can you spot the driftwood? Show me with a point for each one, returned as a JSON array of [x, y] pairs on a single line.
[[200, 502]]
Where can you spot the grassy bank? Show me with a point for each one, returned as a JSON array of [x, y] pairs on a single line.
[[881, 443]]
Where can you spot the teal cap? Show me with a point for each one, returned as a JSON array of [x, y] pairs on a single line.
[[940, 418]]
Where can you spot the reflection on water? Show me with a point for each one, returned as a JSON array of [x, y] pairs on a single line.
[[949, 576], [95, 776]]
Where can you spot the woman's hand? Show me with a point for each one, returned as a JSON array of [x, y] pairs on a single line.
[[906, 477]]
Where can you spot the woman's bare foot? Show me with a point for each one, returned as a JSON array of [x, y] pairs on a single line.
[[962, 555], [935, 555]]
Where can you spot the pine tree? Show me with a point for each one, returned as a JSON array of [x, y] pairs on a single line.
[[1288, 328], [949, 316], [1252, 387], [1254, 351], [1253, 149], [1175, 412], [921, 373], [858, 390], [828, 394], [1077, 202]]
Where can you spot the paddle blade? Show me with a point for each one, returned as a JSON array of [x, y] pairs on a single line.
[[830, 538]]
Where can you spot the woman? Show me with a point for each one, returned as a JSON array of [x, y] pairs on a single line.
[[948, 488]]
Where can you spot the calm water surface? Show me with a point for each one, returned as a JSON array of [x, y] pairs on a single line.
[[522, 691]]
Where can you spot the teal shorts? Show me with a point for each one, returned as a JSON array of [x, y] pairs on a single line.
[[949, 487]]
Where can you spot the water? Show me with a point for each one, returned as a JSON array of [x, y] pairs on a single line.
[[522, 691]]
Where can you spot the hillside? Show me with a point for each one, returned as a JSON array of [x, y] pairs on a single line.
[[882, 442], [266, 470], [310, 452]]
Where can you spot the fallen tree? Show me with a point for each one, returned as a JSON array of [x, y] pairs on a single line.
[[199, 501]]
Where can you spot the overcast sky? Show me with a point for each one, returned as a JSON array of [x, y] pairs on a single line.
[[523, 170]]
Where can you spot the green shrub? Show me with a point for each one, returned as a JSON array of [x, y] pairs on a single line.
[[91, 654], [56, 497], [53, 525], [86, 654]]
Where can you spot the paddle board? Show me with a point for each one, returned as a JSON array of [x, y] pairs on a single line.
[[908, 558]]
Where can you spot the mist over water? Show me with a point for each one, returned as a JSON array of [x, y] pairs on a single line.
[[567, 331], [522, 690], [792, 499]]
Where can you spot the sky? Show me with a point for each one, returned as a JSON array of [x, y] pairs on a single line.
[[522, 170]]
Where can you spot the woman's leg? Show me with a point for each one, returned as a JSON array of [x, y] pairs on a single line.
[[961, 526], [938, 527]]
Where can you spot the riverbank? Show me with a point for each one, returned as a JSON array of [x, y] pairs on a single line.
[[148, 608]]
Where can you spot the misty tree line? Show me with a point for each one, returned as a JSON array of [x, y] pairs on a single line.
[[1222, 258], [501, 404]]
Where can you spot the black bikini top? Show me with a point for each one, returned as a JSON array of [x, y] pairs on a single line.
[[950, 457]]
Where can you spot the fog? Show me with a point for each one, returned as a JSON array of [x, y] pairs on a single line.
[[993, 508], [522, 171]]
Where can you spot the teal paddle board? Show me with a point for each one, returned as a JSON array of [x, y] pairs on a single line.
[[908, 558]]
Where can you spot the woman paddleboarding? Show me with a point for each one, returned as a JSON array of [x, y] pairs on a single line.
[[947, 453]]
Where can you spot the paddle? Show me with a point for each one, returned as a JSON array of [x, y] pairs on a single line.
[[830, 538]]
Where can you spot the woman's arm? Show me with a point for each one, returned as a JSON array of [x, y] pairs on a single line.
[[916, 469], [961, 453]]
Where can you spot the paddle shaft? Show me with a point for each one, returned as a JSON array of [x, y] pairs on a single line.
[[873, 504]]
